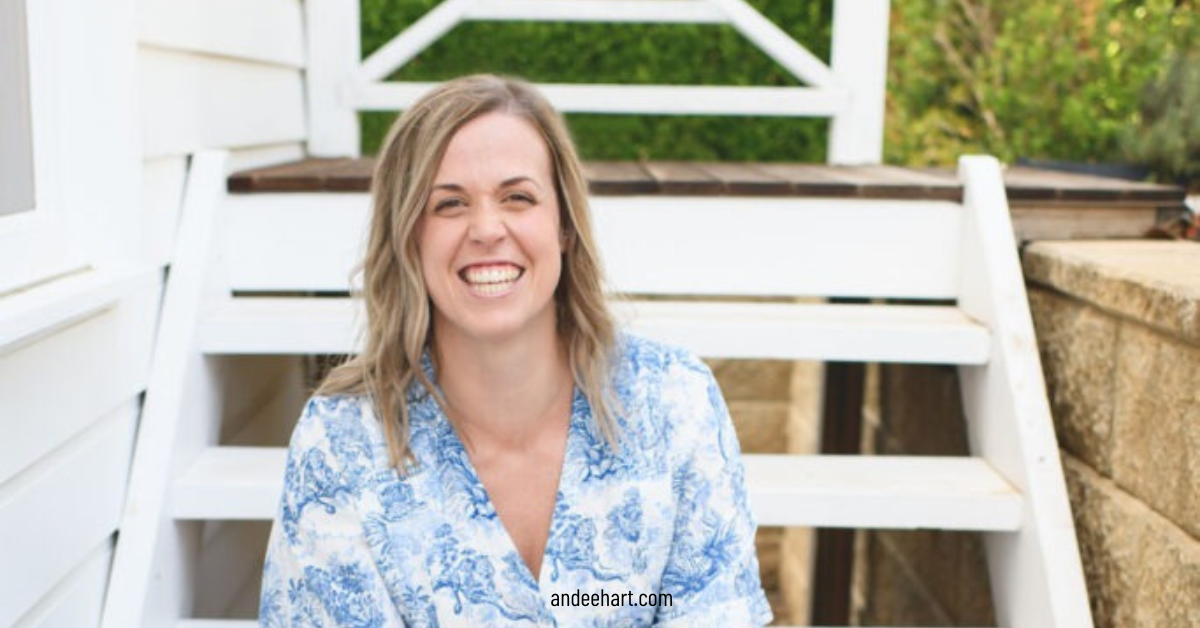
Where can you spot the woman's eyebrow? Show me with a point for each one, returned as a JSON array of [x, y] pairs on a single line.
[[518, 179]]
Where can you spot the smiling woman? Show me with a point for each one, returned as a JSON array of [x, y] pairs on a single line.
[[499, 445]]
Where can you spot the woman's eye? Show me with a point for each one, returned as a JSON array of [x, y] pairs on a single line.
[[447, 204], [519, 197]]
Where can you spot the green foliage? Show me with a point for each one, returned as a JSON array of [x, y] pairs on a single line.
[[1058, 80], [1168, 138], [638, 54]]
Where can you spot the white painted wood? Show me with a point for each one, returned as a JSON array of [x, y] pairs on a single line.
[[408, 44], [104, 364], [97, 122], [756, 238], [1036, 576], [230, 483], [149, 566], [162, 196], [777, 44], [806, 331], [57, 511], [859, 58], [829, 491], [802, 331], [75, 602], [41, 310], [899, 492], [269, 31], [326, 240], [267, 155], [611, 11], [630, 99], [190, 102], [332, 29], [779, 246]]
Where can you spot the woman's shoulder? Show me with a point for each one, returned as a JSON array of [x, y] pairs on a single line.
[[340, 427], [645, 356], [659, 374]]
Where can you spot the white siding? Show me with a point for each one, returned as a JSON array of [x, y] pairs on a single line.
[[138, 86], [223, 74]]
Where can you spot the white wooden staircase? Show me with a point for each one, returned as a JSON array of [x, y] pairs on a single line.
[[237, 254]]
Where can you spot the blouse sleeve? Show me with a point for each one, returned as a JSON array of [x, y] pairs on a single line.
[[711, 573], [319, 571]]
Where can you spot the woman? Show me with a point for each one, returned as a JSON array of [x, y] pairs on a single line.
[[499, 454]]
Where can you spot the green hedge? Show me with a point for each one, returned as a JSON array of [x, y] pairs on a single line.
[[1046, 79], [1053, 80], [584, 53]]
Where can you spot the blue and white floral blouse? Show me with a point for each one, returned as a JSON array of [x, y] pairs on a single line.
[[356, 546]]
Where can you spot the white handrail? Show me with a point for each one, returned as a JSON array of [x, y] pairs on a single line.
[[639, 11], [851, 92], [656, 99]]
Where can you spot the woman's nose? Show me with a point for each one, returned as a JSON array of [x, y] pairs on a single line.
[[487, 224]]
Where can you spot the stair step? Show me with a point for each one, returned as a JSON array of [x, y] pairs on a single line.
[[824, 491], [935, 334]]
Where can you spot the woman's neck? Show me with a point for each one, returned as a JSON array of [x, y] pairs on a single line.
[[504, 394]]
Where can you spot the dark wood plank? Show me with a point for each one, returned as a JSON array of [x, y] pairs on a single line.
[[810, 179], [683, 178], [618, 178], [301, 176], [905, 183], [746, 179], [1025, 186], [353, 175]]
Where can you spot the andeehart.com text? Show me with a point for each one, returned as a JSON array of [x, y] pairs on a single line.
[[604, 598]]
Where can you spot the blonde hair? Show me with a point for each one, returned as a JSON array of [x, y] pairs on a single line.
[[397, 303]]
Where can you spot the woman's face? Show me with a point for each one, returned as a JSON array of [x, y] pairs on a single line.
[[489, 237]]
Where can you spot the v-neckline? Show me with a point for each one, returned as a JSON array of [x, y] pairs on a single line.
[[579, 408]]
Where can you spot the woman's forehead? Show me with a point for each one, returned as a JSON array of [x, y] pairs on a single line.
[[492, 149]]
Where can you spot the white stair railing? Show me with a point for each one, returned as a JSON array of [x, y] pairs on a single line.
[[850, 90]]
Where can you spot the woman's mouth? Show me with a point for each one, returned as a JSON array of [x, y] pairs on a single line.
[[491, 280]]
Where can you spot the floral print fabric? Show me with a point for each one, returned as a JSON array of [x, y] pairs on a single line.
[[356, 546]]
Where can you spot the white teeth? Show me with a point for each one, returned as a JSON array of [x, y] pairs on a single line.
[[492, 275]]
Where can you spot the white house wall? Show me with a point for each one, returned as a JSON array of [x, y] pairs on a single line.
[[139, 85], [225, 74]]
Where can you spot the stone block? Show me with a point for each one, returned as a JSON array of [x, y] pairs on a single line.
[[767, 543], [753, 380], [1078, 356], [807, 394], [1156, 453], [761, 425], [1154, 281], [1141, 569], [795, 574]]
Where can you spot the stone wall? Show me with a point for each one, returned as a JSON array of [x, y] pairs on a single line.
[[1118, 326]]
